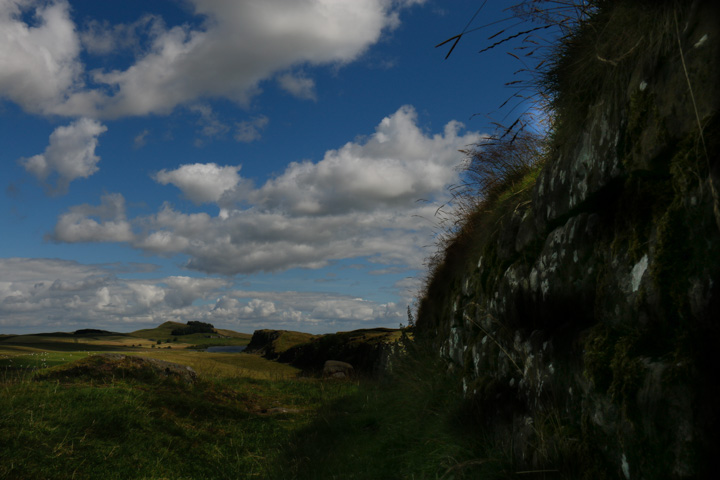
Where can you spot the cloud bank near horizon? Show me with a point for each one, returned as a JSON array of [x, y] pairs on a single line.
[[53, 293]]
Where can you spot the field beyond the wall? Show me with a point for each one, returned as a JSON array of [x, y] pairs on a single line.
[[64, 413], [106, 405]]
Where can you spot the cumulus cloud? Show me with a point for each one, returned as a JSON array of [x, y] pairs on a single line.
[[41, 67], [258, 308], [70, 154], [250, 241], [299, 86], [67, 295], [87, 223], [183, 291], [397, 165], [201, 182], [261, 37], [359, 201], [308, 310]]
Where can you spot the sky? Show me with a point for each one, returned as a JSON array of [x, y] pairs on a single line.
[[251, 164]]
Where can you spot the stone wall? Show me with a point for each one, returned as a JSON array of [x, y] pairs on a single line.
[[586, 321]]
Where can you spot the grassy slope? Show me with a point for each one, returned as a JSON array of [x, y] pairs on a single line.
[[139, 340], [231, 424], [70, 343], [247, 417], [218, 428], [163, 332]]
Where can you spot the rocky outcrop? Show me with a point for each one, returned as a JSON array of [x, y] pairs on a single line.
[[272, 343], [586, 323], [367, 350], [262, 342]]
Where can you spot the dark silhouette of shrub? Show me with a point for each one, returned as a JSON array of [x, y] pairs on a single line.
[[194, 327]]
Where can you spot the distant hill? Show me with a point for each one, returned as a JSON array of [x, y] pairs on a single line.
[[161, 331], [164, 333], [100, 340]]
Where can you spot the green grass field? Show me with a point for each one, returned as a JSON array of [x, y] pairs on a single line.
[[244, 417], [232, 423]]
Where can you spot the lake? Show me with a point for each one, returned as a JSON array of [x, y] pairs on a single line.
[[226, 349]]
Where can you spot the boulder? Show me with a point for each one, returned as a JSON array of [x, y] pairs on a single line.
[[337, 369]]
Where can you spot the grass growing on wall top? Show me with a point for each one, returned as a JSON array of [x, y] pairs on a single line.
[[618, 41], [498, 180]]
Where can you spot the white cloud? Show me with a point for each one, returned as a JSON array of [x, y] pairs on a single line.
[[69, 156], [303, 310], [258, 308], [51, 294], [87, 223], [298, 85], [261, 37], [39, 65], [201, 182], [183, 291], [397, 165], [146, 295], [359, 201], [251, 130]]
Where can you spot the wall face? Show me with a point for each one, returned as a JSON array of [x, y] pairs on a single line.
[[587, 322]]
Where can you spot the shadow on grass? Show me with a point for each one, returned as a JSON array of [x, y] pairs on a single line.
[[411, 424]]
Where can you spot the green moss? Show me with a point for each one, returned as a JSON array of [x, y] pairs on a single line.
[[598, 355], [613, 363], [679, 256], [627, 370]]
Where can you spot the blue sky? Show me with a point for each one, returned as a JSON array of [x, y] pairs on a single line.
[[253, 164]]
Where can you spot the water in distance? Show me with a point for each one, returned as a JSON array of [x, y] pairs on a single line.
[[226, 349]]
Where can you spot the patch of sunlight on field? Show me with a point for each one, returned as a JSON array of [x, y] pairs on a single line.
[[226, 365], [69, 343], [34, 359], [37, 352]]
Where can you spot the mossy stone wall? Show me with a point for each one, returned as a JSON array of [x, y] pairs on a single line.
[[586, 322]]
